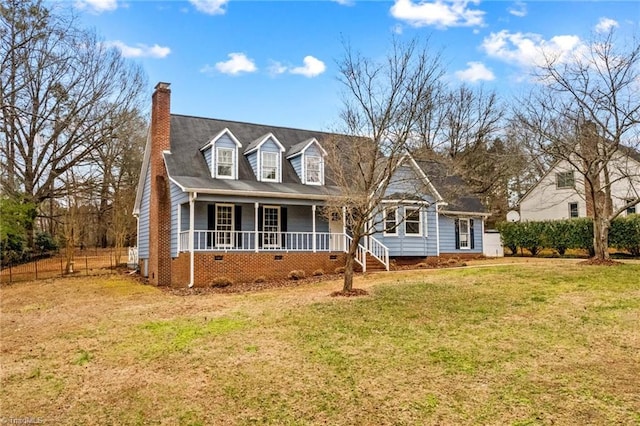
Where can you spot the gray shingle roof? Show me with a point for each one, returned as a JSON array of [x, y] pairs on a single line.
[[186, 164]]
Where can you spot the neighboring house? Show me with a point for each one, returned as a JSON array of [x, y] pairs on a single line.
[[560, 193], [239, 200]]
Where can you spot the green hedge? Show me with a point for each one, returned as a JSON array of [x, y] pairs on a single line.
[[561, 235]]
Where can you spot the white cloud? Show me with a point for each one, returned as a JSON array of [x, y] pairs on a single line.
[[438, 13], [140, 50], [276, 68], [519, 9], [97, 6], [312, 67], [605, 25], [210, 7], [526, 50], [237, 63], [476, 71], [345, 2]]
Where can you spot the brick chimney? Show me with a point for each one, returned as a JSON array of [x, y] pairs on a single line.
[[160, 202], [589, 141]]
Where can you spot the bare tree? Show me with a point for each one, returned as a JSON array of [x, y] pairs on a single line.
[[586, 112], [61, 87], [382, 103]]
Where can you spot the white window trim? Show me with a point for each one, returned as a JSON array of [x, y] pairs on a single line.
[[406, 215], [232, 224], [577, 209], [468, 234], [278, 177], [234, 162], [320, 171], [278, 232], [384, 222]]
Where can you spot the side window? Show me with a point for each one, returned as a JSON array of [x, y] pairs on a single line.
[[573, 210], [391, 221], [565, 180], [412, 222]]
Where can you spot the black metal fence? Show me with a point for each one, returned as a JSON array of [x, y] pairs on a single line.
[[85, 262]]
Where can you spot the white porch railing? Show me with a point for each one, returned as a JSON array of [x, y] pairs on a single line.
[[283, 241], [132, 261], [266, 241]]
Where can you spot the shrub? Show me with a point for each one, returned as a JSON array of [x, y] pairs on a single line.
[[559, 235], [296, 275], [220, 282], [531, 236], [45, 242], [318, 273], [260, 279], [339, 270], [624, 234], [509, 235]]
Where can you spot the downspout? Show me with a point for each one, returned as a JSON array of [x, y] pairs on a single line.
[[192, 199]]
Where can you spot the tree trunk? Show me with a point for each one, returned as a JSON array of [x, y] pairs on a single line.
[[349, 264], [600, 238]]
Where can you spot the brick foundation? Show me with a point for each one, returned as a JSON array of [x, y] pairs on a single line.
[[246, 267]]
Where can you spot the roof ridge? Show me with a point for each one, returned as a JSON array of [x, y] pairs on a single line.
[[254, 124]]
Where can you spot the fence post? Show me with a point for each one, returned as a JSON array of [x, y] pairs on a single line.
[[86, 264], [36, 263], [10, 274], [61, 268], [110, 262]]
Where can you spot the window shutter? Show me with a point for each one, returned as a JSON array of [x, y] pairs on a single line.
[[457, 232], [211, 225], [260, 216], [471, 233], [283, 225], [237, 224]]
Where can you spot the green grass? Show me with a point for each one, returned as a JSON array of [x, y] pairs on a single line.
[[551, 343]]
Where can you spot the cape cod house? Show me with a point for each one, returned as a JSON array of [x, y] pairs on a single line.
[[239, 200]]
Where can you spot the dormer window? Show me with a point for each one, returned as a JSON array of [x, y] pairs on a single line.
[[313, 169], [307, 159], [221, 155], [270, 166], [225, 162]]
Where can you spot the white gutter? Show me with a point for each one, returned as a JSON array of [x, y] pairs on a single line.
[[192, 199]]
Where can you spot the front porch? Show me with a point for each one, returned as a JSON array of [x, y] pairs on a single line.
[[235, 234]]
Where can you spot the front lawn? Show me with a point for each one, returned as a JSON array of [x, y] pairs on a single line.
[[549, 342]]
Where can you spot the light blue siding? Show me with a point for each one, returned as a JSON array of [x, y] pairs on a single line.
[[143, 219], [448, 235], [253, 161], [225, 142], [269, 146], [296, 162], [177, 198], [406, 181], [207, 157], [412, 245]]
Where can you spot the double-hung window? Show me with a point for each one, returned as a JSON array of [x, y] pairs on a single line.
[[632, 209], [565, 180], [390, 221], [224, 163], [412, 222], [573, 210], [270, 166], [224, 225], [313, 166]]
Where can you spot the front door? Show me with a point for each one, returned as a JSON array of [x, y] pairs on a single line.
[[336, 238], [271, 227]]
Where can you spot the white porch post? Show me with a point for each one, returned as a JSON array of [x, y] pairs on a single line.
[[344, 229], [313, 221], [179, 226], [192, 220], [256, 238]]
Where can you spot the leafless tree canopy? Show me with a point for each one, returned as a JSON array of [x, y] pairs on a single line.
[[587, 112], [62, 92], [383, 101]]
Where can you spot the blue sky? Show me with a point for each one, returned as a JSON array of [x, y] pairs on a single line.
[[274, 62]]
